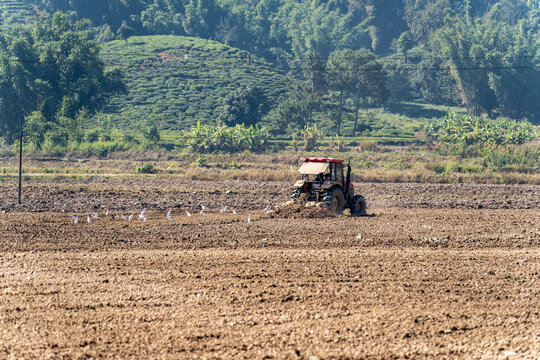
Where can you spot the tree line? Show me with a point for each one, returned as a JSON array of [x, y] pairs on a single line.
[[344, 55], [481, 54], [52, 79]]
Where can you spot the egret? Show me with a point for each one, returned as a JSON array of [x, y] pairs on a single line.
[[234, 212], [107, 212], [224, 209], [249, 219], [169, 217], [130, 217], [187, 213], [141, 215], [95, 216], [202, 213], [88, 219], [75, 219]]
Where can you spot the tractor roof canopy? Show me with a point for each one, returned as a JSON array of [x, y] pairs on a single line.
[[322, 159], [313, 168]]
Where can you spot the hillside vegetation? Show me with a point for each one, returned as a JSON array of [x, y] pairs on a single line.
[[176, 81], [19, 9]]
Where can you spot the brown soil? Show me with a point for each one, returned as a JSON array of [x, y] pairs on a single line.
[[98, 193], [295, 211], [418, 279]]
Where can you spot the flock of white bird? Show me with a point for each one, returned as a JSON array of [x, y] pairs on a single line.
[[142, 215]]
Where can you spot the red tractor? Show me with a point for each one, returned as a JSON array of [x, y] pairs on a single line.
[[323, 182]]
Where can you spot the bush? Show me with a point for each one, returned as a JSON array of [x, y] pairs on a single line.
[[501, 156], [465, 129], [145, 169], [92, 136], [151, 134], [55, 138], [221, 138]]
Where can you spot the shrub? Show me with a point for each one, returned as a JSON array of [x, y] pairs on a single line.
[[151, 134], [462, 128], [92, 135], [501, 156], [310, 134], [200, 162], [145, 169], [221, 138]]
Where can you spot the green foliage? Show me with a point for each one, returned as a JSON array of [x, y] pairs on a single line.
[[145, 169], [200, 162], [358, 75], [297, 110], [502, 156], [221, 138], [53, 67], [460, 128], [151, 134], [35, 128], [337, 143], [311, 134], [494, 64], [245, 106], [181, 80]]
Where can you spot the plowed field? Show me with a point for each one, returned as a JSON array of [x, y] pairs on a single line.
[[434, 271]]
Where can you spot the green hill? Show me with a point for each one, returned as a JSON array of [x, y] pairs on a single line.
[[17, 8], [177, 80]]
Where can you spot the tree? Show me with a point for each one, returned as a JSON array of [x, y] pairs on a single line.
[[356, 74], [314, 71], [125, 31], [494, 65], [404, 43], [244, 106], [296, 111], [47, 65]]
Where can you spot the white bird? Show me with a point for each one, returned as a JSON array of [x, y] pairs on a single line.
[[169, 217], [202, 207], [249, 219], [234, 212], [107, 212], [123, 217], [88, 219], [187, 213], [75, 219], [141, 215], [144, 218], [130, 217], [95, 216], [202, 213], [223, 210], [116, 216]]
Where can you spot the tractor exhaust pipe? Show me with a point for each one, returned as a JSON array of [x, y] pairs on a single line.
[[348, 181]]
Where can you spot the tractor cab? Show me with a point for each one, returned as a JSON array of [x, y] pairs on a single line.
[[323, 181]]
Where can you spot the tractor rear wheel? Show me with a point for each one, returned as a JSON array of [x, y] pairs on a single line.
[[335, 201], [358, 206]]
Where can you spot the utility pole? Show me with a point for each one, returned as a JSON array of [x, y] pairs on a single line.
[[20, 158]]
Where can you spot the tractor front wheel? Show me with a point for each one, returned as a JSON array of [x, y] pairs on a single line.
[[297, 192], [358, 206], [335, 201]]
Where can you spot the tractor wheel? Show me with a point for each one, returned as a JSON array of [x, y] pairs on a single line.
[[296, 193], [335, 201], [358, 206]]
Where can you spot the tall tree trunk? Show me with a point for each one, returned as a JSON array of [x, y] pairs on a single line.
[[357, 106], [341, 99]]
